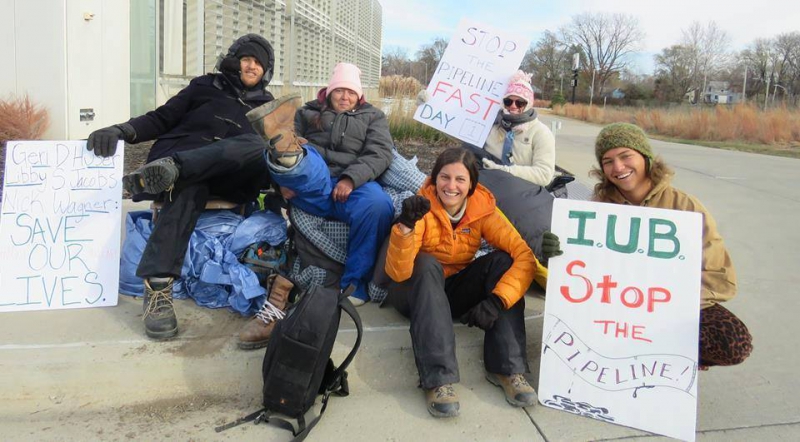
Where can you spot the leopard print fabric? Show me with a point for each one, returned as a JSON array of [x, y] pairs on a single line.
[[724, 339]]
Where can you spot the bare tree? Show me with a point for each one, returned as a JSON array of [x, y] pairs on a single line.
[[431, 54], [548, 61], [606, 40], [394, 61], [709, 46], [787, 48], [675, 72]]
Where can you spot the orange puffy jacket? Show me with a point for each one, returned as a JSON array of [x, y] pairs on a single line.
[[455, 248]]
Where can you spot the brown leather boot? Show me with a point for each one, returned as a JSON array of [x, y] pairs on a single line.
[[274, 121], [257, 331]]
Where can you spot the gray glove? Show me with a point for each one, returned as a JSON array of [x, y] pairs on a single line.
[[551, 246], [104, 141]]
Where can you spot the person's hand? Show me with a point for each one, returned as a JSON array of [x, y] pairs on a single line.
[[104, 141], [343, 189], [489, 164], [551, 246], [423, 97], [484, 313], [414, 208], [287, 193]]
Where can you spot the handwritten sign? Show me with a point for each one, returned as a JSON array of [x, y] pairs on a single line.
[[467, 88], [60, 226], [620, 337]]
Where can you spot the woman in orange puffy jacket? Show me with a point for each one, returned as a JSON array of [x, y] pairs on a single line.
[[436, 277]]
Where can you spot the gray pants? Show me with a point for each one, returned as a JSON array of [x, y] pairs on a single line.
[[431, 302]]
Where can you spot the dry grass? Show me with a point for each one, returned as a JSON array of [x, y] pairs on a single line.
[[397, 86], [741, 124], [21, 119]]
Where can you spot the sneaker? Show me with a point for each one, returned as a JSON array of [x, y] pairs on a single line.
[[519, 392], [153, 178], [158, 315], [442, 401]]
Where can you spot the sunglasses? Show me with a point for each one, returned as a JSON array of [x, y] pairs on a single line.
[[520, 103]]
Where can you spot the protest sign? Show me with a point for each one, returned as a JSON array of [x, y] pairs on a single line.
[[620, 336], [467, 88], [60, 226]]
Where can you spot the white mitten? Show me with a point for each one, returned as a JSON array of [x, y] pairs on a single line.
[[422, 97], [489, 164]]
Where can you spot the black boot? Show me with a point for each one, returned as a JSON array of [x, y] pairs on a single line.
[[159, 317], [153, 178]]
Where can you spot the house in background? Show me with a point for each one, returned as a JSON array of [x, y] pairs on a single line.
[[719, 92]]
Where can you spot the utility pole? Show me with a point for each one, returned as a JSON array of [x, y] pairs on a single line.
[[591, 96], [744, 86]]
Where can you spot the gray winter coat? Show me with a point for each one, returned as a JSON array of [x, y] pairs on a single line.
[[356, 144]]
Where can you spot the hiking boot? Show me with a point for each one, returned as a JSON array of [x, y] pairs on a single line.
[[274, 121], [519, 392], [257, 331], [442, 401], [158, 312], [154, 177]]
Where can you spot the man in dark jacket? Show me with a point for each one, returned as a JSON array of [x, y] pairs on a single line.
[[204, 146]]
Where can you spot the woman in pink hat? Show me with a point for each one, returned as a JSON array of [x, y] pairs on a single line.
[[353, 138], [519, 143]]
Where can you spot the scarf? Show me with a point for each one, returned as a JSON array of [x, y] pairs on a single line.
[[508, 122]]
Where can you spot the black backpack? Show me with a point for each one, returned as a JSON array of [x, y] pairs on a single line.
[[297, 365]]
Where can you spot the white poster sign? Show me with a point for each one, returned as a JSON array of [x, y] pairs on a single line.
[[620, 337], [60, 226], [467, 88]]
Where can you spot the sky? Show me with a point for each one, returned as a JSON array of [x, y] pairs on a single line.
[[409, 24]]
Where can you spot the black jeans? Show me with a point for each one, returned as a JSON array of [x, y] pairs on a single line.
[[431, 302], [233, 169]]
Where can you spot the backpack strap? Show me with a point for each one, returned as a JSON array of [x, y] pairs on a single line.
[[339, 374]]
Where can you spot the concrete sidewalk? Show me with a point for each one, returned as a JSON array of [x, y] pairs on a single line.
[[91, 374]]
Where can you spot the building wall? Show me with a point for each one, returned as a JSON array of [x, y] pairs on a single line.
[[309, 37], [71, 57]]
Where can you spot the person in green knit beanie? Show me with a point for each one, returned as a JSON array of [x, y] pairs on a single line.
[[630, 173]]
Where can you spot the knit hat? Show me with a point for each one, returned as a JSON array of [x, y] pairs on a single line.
[[622, 135], [348, 76], [520, 85], [253, 48]]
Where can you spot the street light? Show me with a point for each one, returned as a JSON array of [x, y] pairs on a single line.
[[775, 90]]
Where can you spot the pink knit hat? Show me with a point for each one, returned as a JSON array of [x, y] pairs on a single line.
[[520, 85], [348, 76]]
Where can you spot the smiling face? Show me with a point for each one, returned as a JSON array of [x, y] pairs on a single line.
[[343, 99], [251, 69], [516, 104], [627, 169], [452, 186]]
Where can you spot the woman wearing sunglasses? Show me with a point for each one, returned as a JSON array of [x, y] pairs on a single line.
[[521, 144]]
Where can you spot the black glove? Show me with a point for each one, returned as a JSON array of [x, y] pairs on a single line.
[[551, 246], [104, 141], [414, 208], [484, 313]]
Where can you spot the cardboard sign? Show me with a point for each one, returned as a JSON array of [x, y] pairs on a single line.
[[60, 226], [467, 88], [620, 337]]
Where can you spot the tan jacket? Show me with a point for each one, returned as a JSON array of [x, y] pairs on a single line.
[[455, 248], [718, 283], [533, 154]]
